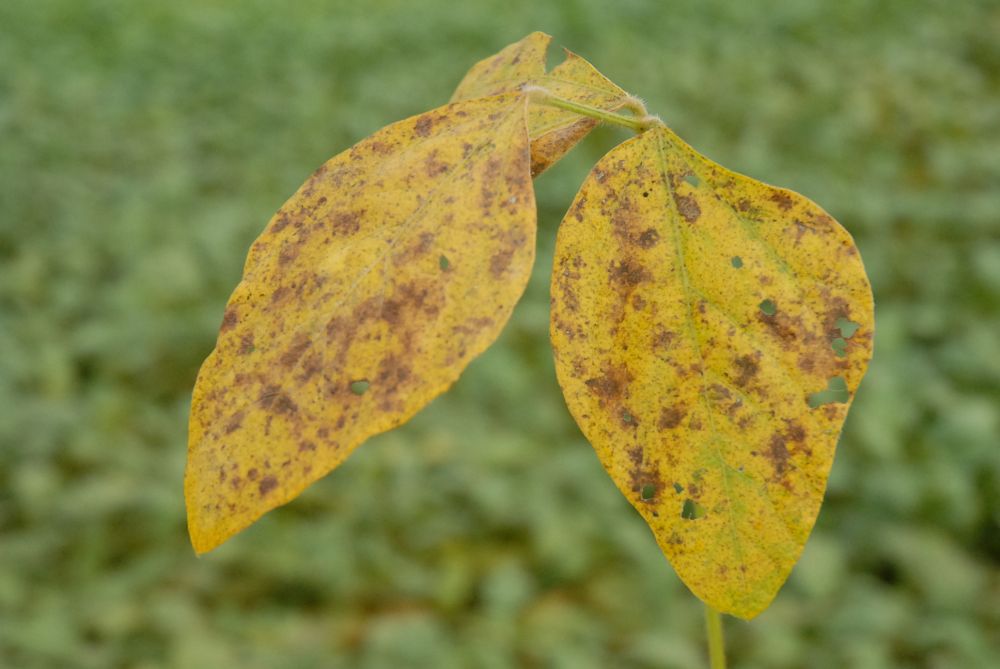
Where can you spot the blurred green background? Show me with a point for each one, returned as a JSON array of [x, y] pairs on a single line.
[[144, 145]]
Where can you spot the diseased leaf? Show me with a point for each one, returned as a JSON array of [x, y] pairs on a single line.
[[699, 321], [370, 290], [553, 131], [507, 70]]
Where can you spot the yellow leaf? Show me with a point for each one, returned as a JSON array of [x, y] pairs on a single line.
[[710, 332], [553, 131], [370, 290], [507, 70]]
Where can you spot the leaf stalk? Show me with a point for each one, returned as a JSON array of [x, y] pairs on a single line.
[[716, 643], [639, 122]]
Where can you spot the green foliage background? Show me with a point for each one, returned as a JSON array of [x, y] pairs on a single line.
[[144, 145]]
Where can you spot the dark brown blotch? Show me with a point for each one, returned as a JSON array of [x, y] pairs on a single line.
[[246, 344], [235, 422], [687, 207], [611, 384], [777, 453], [281, 223], [628, 273], [229, 319], [422, 128], [273, 399], [434, 167], [346, 222], [782, 199], [746, 369], [649, 238], [299, 346], [266, 485], [670, 417]]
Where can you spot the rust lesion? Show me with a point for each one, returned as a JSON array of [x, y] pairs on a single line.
[[277, 401], [649, 238], [266, 485], [611, 385], [644, 477], [299, 345], [423, 126], [346, 222], [229, 319], [688, 207], [782, 199], [671, 417], [627, 273], [747, 368]]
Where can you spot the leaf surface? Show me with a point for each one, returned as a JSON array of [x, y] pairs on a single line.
[[368, 293], [553, 131], [710, 332]]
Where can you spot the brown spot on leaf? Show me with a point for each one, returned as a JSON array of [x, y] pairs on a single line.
[[346, 222], [275, 400], [279, 293], [670, 417], [229, 319], [611, 384], [795, 431], [295, 351], [267, 484], [501, 261], [235, 422], [434, 167], [782, 199], [649, 238], [780, 325], [422, 128], [281, 223], [746, 370], [777, 453], [663, 339], [687, 206], [628, 273], [246, 344], [311, 365]]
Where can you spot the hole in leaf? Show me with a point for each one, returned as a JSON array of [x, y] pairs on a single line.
[[836, 392], [847, 327], [692, 510], [678, 487], [769, 307], [359, 387], [839, 346], [443, 262], [627, 417], [648, 491], [692, 180], [737, 262], [645, 193]]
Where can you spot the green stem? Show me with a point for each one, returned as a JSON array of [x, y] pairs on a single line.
[[716, 645], [638, 124]]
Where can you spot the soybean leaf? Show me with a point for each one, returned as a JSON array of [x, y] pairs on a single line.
[[370, 290], [710, 332], [553, 131]]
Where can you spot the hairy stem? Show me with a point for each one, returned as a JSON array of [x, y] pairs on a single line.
[[716, 645], [640, 122]]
